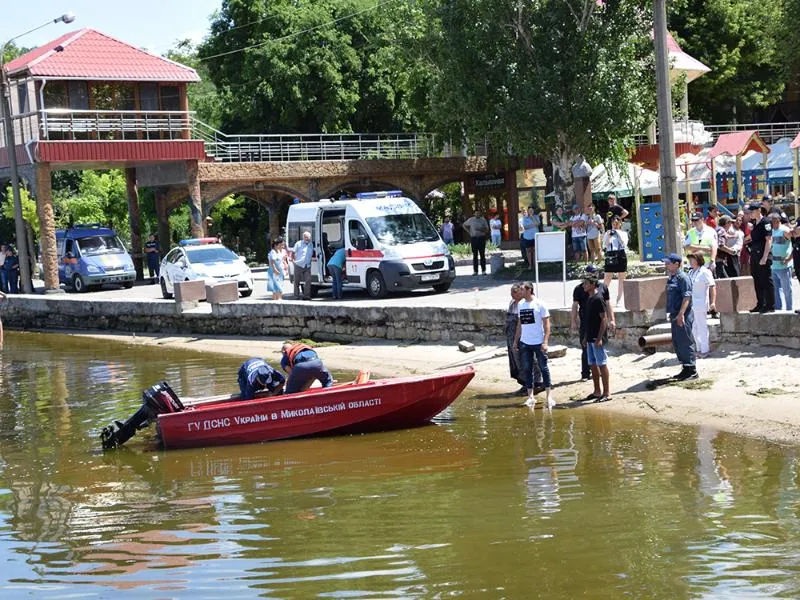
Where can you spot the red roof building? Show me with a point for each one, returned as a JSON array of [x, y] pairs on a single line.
[[86, 86]]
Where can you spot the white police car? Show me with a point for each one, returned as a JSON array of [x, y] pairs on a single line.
[[205, 259]]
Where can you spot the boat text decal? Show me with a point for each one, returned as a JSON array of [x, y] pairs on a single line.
[[224, 423]]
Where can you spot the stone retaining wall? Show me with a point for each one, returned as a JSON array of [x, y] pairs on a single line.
[[343, 323], [285, 319]]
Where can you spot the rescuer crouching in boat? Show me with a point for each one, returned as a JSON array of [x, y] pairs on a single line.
[[255, 375], [303, 367]]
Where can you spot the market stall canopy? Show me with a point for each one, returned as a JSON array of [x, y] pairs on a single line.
[[610, 178], [680, 62], [780, 157], [795, 143], [738, 143]]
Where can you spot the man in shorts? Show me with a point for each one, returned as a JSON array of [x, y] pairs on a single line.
[[596, 339], [578, 226]]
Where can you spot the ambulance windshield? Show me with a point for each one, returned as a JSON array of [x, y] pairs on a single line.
[[403, 229]]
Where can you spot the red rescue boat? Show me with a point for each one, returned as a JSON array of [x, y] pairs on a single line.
[[359, 407]]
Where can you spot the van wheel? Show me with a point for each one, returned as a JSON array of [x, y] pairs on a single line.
[[313, 291], [376, 285], [78, 284], [441, 288], [247, 293], [164, 291], [127, 285]]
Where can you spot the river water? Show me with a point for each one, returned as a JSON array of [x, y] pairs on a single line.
[[493, 501]]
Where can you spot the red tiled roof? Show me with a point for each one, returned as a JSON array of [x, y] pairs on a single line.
[[737, 143], [89, 54]]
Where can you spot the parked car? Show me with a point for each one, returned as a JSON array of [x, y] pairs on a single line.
[[90, 255], [205, 259]]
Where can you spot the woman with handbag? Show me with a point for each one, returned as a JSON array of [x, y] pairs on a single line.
[[615, 244]]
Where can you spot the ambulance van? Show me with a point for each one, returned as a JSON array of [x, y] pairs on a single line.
[[390, 244]]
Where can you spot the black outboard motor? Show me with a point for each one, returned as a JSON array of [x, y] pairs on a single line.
[[159, 399]]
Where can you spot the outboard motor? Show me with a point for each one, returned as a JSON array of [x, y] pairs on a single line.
[[157, 400]]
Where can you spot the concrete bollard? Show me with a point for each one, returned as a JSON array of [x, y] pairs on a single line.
[[647, 293], [222, 292], [496, 262], [736, 294], [190, 291]]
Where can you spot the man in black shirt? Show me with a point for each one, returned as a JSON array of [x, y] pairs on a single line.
[[596, 338], [761, 259], [579, 321]]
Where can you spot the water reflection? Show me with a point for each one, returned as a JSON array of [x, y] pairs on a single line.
[[498, 503]]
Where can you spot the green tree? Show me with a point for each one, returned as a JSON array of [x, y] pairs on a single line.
[[203, 97], [745, 44], [315, 65], [555, 78], [12, 51]]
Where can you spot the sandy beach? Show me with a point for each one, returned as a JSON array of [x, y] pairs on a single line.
[[747, 390]]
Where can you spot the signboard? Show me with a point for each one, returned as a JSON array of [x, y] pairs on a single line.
[[551, 247]]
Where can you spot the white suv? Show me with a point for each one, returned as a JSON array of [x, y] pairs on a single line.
[[206, 259]]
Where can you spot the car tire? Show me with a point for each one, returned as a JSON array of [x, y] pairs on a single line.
[[246, 293], [376, 285], [442, 287], [78, 284], [164, 291], [127, 285]]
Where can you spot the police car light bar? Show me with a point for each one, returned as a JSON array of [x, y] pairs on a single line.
[[389, 194], [198, 241]]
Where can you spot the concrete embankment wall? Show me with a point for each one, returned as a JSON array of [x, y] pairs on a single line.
[[331, 322]]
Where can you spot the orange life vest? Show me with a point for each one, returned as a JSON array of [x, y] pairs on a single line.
[[296, 349]]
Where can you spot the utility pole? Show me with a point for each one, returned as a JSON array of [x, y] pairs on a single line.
[[19, 223], [666, 135]]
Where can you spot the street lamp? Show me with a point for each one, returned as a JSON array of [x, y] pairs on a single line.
[[5, 104]]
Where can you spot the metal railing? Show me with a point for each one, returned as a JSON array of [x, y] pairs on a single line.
[[769, 132], [67, 124], [314, 147]]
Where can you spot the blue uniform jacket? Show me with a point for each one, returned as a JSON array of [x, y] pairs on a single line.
[[249, 374]]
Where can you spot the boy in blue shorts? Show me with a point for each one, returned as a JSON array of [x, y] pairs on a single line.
[[596, 339]]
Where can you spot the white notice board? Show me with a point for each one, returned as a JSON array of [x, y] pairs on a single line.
[[550, 247]]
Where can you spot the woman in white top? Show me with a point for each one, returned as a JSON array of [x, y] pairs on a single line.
[[615, 244], [496, 227], [702, 285]]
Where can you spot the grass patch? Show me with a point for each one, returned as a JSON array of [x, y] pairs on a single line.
[[768, 392]]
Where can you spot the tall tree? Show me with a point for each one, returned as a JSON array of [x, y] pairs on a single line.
[[315, 65], [555, 78], [203, 96], [745, 44]]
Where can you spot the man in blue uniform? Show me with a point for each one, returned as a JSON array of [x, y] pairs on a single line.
[[304, 366], [255, 375], [679, 312], [151, 250]]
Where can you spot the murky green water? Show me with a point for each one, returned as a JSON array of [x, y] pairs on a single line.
[[492, 502]]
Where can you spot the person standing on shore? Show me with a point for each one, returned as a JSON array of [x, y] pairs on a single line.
[[761, 259], [532, 337], [781, 262], [579, 318], [530, 228], [302, 253], [729, 250], [596, 338], [578, 227], [477, 227], [512, 318], [594, 231], [614, 210], [703, 286], [615, 245], [679, 312]]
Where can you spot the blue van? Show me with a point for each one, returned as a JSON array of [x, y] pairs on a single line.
[[90, 255]]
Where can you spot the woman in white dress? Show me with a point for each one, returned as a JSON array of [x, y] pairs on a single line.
[[703, 287], [615, 244]]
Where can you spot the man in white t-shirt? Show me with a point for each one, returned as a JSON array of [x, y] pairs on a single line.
[[532, 337], [578, 225]]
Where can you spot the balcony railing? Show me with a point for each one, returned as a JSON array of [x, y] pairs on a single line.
[[689, 131], [67, 124]]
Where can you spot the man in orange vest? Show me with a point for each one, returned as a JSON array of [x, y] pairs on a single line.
[[303, 367]]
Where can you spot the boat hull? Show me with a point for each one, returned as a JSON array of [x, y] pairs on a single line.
[[359, 408]]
